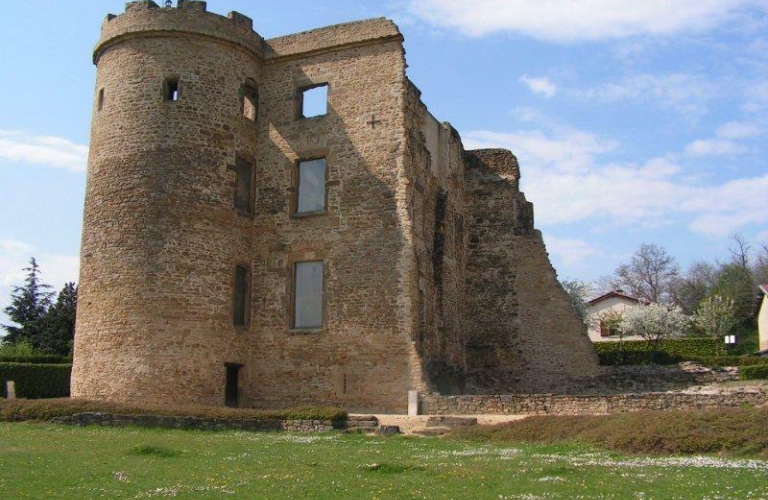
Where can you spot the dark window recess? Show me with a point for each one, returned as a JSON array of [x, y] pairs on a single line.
[[311, 176], [314, 100], [171, 89], [250, 101], [243, 188], [241, 296], [232, 390], [100, 100]]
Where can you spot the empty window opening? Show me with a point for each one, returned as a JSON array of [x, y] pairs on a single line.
[[314, 101], [250, 102], [308, 295], [311, 186], [344, 385], [171, 89], [242, 292], [232, 387], [100, 100], [244, 186]]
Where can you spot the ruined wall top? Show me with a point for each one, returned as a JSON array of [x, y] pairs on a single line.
[[190, 17], [332, 37]]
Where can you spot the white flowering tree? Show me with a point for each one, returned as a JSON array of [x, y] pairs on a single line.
[[655, 322], [716, 316]]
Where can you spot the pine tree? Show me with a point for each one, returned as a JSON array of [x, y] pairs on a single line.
[[58, 326], [29, 305]]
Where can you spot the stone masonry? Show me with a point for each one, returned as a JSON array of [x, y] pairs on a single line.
[[434, 278]]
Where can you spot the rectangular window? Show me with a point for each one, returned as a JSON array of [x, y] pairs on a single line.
[[314, 100], [100, 100], [250, 101], [242, 292], [243, 189], [310, 195], [308, 295], [171, 89]]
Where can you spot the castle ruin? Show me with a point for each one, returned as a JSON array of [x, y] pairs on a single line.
[[241, 248]]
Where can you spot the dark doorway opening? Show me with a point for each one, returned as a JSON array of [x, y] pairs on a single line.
[[232, 389]]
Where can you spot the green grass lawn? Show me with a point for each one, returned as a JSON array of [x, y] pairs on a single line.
[[42, 461]]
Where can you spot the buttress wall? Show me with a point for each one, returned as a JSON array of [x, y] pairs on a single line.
[[524, 333]]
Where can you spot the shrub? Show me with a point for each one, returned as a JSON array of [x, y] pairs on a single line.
[[755, 372], [668, 351], [36, 380], [48, 409], [732, 431]]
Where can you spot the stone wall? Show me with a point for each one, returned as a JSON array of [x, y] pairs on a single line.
[[366, 424], [548, 404]]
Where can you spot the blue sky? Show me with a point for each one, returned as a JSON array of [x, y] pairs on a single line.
[[633, 121]]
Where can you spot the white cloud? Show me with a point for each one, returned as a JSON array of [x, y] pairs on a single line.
[[583, 20], [738, 130], [14, 257], [43, 150], [714, 147], [688, 93], [541, 86], [571, 251], [567, 180], [725, 141]]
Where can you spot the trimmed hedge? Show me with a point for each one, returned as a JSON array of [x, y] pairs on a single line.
[[53, 359], [756, 372], [46, 410], [669, 351], [713, 361], [36, 380]]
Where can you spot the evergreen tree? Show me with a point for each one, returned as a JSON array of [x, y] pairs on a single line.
[[58, 326], [29, 305]]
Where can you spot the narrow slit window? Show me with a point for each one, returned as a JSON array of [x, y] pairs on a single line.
[[244, 186], [250, 101], [314, 101], [171, 89], [242, 288], [308, 295], [311, 186], [100, 100]]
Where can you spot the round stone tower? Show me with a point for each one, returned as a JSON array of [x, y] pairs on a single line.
[[163, 237]]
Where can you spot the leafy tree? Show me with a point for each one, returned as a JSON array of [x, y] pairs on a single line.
[[737, 284], [59, 323], [578, 291], [655, 322], [716, 316], [649, 274], [29, 305], [695, 285]]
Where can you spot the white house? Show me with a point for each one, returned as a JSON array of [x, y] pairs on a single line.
[[605, 306]]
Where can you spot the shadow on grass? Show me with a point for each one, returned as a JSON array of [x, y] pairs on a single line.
[[148, 450]]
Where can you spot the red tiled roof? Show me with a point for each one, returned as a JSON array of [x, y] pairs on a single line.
[[764, 288], [614, 293]]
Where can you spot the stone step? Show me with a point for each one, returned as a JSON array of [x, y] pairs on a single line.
[[432, 431], [451, 421], [362, 418]]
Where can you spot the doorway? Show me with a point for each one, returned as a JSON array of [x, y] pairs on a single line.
[[232, 388]]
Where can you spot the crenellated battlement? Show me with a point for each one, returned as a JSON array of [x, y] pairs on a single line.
[[189, 17]]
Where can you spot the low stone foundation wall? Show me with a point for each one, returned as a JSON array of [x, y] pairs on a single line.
[[167, 422], [548, 404]]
